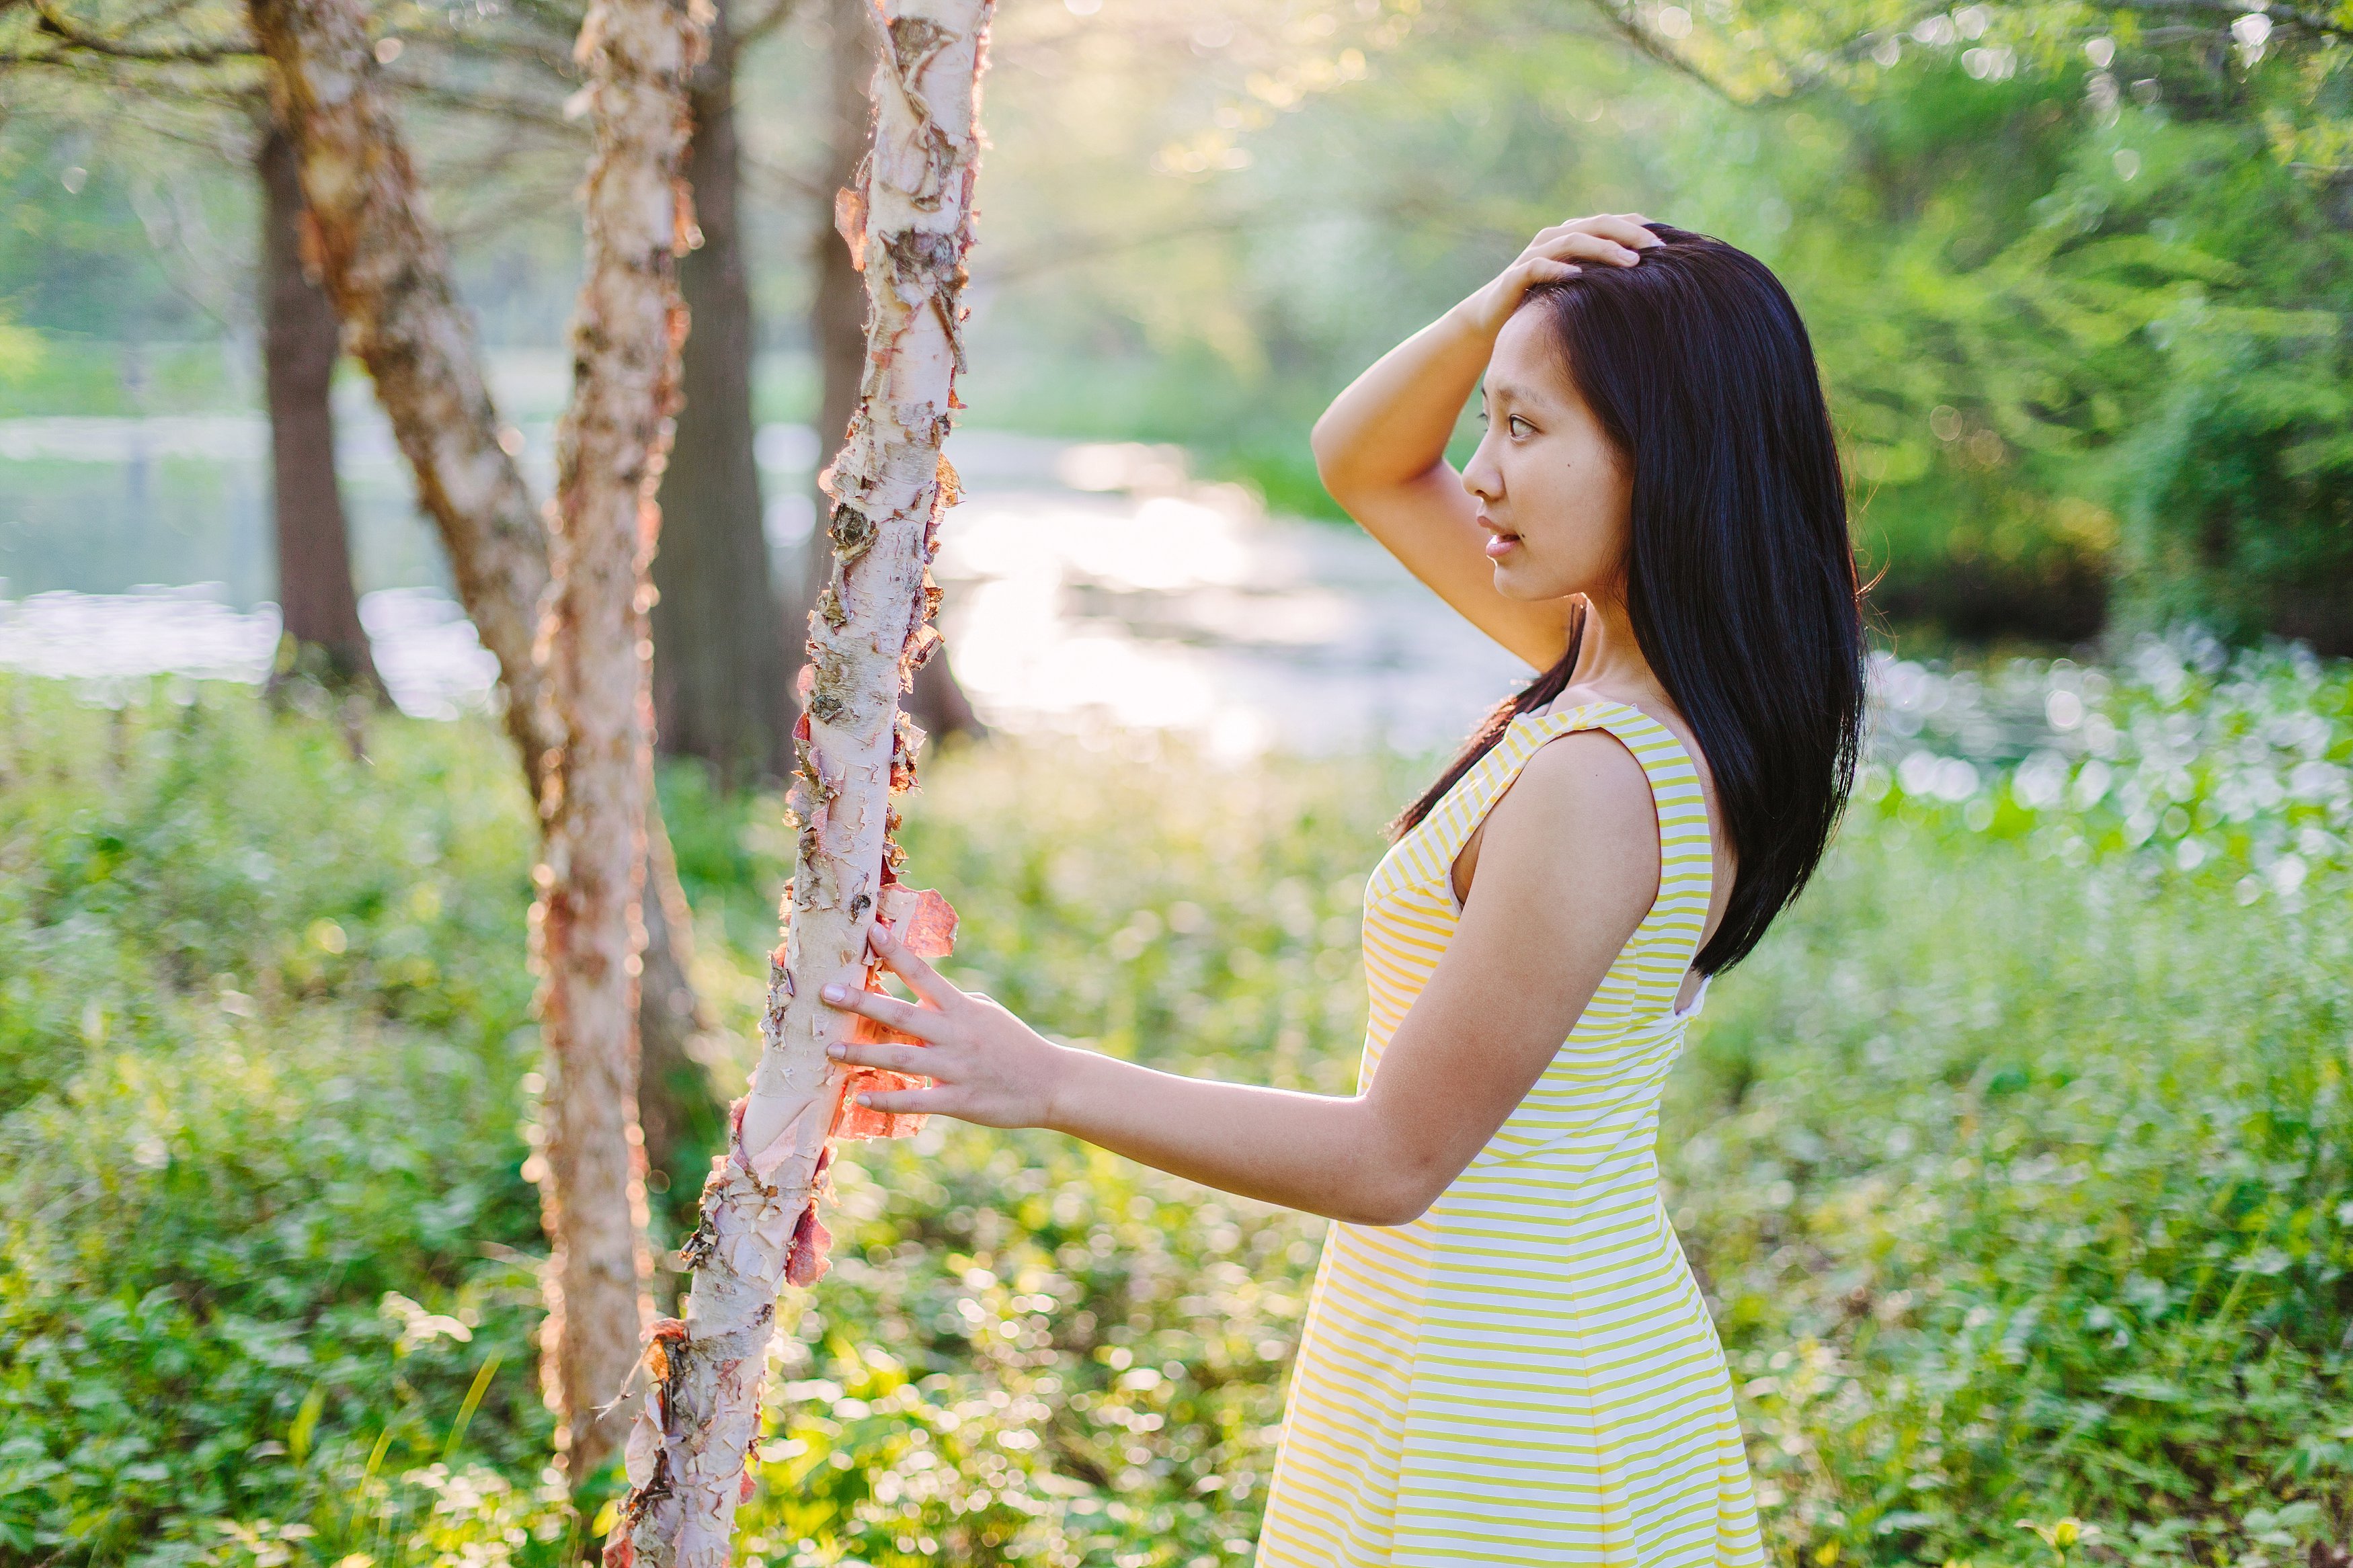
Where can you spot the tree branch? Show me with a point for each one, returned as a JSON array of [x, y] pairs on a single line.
[[777, 14], [509, 107], [70, 34], [1619, 19], [2228, 11]]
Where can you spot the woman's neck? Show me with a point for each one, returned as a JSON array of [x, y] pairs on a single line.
[[1609, 656]]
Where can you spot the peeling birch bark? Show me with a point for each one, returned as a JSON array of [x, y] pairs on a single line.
[[387, 270], [595, 657], [910, 225], [387, 267]]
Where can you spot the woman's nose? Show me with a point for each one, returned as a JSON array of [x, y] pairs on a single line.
[[1480, 477]]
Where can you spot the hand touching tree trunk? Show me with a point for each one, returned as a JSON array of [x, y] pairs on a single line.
[[909, 221]]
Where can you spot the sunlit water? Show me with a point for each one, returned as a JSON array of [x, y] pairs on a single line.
[[1092, 590], [1087, 587]]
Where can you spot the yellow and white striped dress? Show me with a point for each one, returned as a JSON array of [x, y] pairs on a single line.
[[1527, 1373]]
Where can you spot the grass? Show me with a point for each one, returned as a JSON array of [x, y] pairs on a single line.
[[2015, 1163]]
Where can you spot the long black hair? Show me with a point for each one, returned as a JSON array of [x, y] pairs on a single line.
[[1739, 574]]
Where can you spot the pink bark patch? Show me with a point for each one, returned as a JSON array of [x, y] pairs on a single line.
[[856, 1120], [922, 919], [865, 1031], [804, 1262]]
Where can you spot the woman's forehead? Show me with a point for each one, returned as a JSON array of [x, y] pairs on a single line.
[[1525, 364]]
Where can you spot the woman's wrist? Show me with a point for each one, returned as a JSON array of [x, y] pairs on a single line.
[[1061, 1088], [1486, 309], [1481, 315]]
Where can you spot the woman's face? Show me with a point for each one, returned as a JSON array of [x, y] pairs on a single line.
[[1553, 493]]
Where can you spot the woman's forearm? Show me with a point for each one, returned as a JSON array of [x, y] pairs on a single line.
[[1392, 423], [1312, 1152]]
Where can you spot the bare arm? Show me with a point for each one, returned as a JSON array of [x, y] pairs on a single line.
[[1380, 449], [1569, 866]]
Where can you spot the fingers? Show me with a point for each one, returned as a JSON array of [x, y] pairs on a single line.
[[900, 960], [1614, 239], [924, 1022], [905, 1101], [917, 1060], [1580, 246]]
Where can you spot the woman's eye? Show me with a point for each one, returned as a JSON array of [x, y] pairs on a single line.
[[1519, 426]]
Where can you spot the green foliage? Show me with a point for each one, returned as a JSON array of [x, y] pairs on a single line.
[[261, 1026], [2240, 506], [2078, 283], [2014, 1163]]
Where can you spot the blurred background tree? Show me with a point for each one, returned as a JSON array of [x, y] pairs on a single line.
[[2078, 273]]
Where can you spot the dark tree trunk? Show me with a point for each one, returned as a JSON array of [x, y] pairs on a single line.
[[837, 305], [678, 1109], [838, 332], [301, 340], [722, 675]]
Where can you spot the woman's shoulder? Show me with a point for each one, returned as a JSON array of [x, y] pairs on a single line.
[[1576, 824], [1593, 701], [1585, 773]]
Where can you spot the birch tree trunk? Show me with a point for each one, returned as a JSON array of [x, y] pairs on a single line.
[[596, 655], [386, 267], [911, 224], [836, 320]]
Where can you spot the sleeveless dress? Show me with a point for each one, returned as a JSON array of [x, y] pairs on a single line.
[[1527, 1373]]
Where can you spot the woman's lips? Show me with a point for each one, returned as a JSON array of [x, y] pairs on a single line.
[[1502, 543]]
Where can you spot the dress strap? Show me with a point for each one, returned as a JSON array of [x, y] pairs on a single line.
[[1668, 938]]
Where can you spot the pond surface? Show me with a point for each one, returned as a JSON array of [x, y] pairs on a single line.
[[1088, 586]]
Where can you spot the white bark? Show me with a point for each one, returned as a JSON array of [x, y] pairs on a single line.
[[386, 265], [596, 654], [910, 223]]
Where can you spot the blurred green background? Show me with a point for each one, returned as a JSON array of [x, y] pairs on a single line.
[[2078, 273], [2014, 1164]]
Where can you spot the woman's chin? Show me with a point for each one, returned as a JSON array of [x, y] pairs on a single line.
[[1514, 579]]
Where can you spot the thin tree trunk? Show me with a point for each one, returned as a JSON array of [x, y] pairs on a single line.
[[300, 343], [838, 322], [912, 223], [610, 451], [387, 270], [721, 685], [677, 1111]]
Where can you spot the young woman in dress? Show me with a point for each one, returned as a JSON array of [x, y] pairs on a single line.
[[1506, 1359]]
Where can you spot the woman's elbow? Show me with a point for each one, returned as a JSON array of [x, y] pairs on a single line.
[[1401, 1197], [1325, 443]]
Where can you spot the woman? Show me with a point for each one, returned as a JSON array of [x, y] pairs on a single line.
[[1507, 1360]]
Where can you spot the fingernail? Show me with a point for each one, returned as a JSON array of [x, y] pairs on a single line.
[[837, 1050], [834, 993], [867, 1100]]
